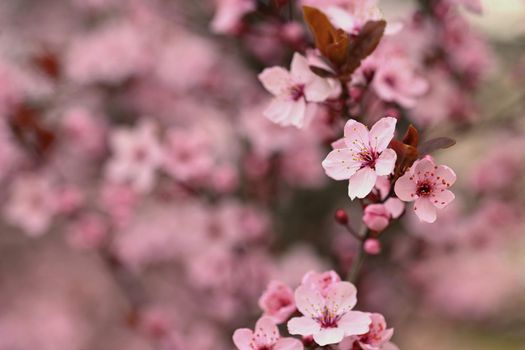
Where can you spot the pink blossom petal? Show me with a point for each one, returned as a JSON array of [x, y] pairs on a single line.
[[318, 90], [297, 113], [382, 133], [329, 336], [278, 111], [288, 344], [276, 80], [445, 176], [308, 301], [356, 135], [423, 167], [339, 164], [339, 143], [386, 162], [405, 188], [303, 325], [266, 332], [442, 198], [300, 69], [424, 210], [242, 338], [361, 183], [389, 346], [341, 297], [395, 207], [355, 323]]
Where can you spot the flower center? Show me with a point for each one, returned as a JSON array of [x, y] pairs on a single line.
[[368, 158], [424, 189], [297, 91], [328, 319]]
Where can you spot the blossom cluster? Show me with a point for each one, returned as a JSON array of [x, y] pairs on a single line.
[[325, 304]]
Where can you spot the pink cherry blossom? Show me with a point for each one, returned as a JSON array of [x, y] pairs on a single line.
[[264, 337], [363, 157], [277, 301], [372, 246], [427, 184], [187, 154], [229, 13], [136, 156], [396, 81], [293, 90], [31, 204], [328, 318], [377, 336]]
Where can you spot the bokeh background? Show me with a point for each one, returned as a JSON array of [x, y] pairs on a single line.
[[146, 202]]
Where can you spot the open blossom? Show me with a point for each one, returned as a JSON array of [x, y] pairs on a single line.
[[396, 81], [363, 156], [328, 318], [277, 301], [293, 90], [31, 204], [229, 13], [136, 156], [187, 154], [377, 336], [264, 337], [427, 184]]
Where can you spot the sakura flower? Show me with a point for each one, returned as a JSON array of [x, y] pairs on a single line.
[[277, 301], [187, 154], [363, 156], [396, 81], [377, 336], [264, 337], [293, 90], [31, 204], [328, 318], [427, 184], [137, 154], [229, 13]]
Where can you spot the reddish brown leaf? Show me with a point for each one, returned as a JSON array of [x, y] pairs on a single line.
[[332, 42], [411, 136], [364, 44]]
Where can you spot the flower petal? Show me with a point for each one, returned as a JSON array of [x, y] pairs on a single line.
[[382, 133], [445, 177], [424, 209], [300, 69], [288, 344], [242, 338], [278, 111], [329, 336], [303, 326], [386, 162], [308, 301], [276, 80], [339, 164], [361, 183], [341, 297], [355, 323], [356, 135], [405, 188], [266, 332], [442, 198], [395, 207]]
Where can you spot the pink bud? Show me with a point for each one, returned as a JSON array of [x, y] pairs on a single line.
[[376, 217], [372, 246]]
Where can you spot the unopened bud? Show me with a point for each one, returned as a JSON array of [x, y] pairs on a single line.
[[341, 217], [372, 246]]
